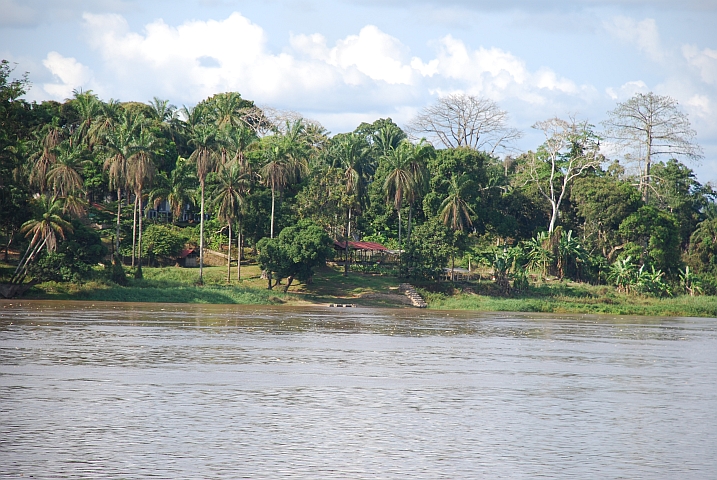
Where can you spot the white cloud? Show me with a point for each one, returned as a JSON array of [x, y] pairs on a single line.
[[368, 71], [70, 73], [199, 58], [495, 73], [372, 52], [704, 61], [700, 105], [643, 34], [627, 90]]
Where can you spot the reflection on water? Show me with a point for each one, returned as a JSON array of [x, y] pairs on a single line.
[[187, 391]]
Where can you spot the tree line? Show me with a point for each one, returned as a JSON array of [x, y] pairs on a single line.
[[611, 204]]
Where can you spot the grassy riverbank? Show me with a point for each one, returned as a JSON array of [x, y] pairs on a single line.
[[578, 298], [179, 285]]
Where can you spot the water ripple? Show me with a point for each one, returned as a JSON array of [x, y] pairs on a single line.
[[186, 391]]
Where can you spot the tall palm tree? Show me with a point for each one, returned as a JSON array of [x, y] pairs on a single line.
[[44, 229], [176, 189], [108, 115], [203, 137], [64, 175], [406, 176], [140, 172], [45, 145], [232, 185], [455, 212], [421, 152], [87, 105], [295, 145], [386, 138], [162, 111], [233, 142], [118, 145], [351, 156], [229, 109], [275, 174]]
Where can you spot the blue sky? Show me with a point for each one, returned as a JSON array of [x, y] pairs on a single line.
[[342, 62]]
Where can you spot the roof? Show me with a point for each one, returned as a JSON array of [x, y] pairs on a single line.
[[186, 252], [361, 246]]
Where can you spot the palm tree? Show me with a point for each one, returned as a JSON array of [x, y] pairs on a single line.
[[88, 107], [108, 115], [140, 172], [203, 137], [233, 183], [175, 189], [229, 109], [275, 174], [421, 152], [162, 111], [118, 145], [44, 229], [387, 138], [351, 157], [406, 176], [64, 175], [46, 144], [455, 212], [233, 143]]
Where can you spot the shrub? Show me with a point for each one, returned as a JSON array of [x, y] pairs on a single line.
[[428, 251], [162, 243]]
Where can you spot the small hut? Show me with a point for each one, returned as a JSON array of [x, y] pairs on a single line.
[[363, 252], [188, 258]]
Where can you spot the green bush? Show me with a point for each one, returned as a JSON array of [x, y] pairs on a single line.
[[428, 251], [295, 252], [162, 243]]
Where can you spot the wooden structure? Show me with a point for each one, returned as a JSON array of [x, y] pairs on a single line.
[[363, 252], [188, 258]]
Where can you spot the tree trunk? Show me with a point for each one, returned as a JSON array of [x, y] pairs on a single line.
[[134, 231], [288, 283], [648, 165], [10, 234], [229, 255], [399, 239], [553, 217], [201, 239], [138, 271], [453, 262], [408, 232], [239, 250], [272, 213], [348, 235], [117, 258]]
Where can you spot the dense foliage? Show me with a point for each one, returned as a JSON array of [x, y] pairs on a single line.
[[151, 180]]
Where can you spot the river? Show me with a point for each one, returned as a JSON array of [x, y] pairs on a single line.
[[190, 391]]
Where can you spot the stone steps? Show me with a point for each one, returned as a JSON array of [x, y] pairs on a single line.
[[412, 294]]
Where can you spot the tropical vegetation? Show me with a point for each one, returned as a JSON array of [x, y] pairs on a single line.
[[89, 182]]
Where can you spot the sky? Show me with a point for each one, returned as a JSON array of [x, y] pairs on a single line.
[[343, 62]]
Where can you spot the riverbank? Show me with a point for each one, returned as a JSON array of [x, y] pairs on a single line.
[[179, 285]]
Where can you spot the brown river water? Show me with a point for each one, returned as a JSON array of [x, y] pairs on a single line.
[[188, 391]]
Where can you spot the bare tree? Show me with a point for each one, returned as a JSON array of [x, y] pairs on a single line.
[[279, 120], [570, 149], [648, 126], [461, 120]]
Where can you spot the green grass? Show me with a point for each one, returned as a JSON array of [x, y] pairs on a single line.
[[179, 285], [575, 298]]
